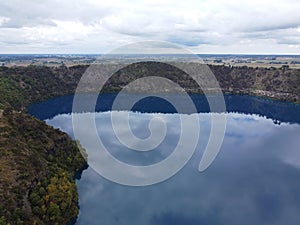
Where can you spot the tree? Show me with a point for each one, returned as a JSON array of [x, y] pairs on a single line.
[[53, 212], [3, 220]]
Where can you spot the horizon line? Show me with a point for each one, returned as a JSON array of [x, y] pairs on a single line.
[[250, 54]]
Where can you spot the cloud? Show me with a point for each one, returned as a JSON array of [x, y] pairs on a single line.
[[254, 182], [99, 26], [286, 36]]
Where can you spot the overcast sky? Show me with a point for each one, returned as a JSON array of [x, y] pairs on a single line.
[[98, 26]]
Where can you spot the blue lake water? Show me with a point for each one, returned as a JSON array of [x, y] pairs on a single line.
[[255, 178]]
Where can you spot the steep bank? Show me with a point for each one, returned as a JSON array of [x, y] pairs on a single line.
[[37, 165], [38, 83], [281, 83]]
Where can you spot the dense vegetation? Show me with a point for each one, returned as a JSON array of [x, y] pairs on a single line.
[[10, 94], [38, 163], [283, 83], [39, 82], [37, 169]]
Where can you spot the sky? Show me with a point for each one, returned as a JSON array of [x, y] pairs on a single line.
[[201, 26]]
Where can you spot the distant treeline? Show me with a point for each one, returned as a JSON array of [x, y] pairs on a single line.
[[36, 83]]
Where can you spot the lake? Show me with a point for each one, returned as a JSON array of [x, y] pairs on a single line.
[[255, 178]]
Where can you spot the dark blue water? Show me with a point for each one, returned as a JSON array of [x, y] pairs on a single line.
[[255, 179], [275, 110]]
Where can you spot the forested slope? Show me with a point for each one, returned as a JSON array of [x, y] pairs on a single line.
[[37, 163]]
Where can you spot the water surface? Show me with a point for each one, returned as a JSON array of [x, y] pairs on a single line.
[[255, 179]]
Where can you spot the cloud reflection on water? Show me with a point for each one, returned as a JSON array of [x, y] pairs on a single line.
[[254, 180]]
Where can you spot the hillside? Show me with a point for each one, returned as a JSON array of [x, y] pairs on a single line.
[[38, 83], [37, 165], [37, 169]]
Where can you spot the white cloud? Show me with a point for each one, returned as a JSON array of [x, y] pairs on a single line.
[[3, 20], [215, 26]]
